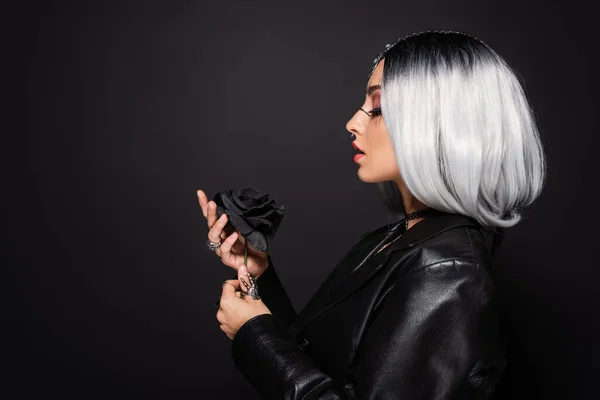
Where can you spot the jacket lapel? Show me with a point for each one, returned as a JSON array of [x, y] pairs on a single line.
[[362, 262]]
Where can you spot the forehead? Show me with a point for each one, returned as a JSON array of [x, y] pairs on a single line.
[[375, 78]]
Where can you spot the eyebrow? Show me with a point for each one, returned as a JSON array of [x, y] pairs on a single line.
[[371, 89]]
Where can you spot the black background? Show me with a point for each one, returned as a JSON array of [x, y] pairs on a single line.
[[125, 109]]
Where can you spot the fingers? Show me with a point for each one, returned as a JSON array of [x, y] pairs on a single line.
[[229, 287], [217, 231], [211, 218], [214, 234], [209, 208], [243, 279], [225, 249], [203, 200]]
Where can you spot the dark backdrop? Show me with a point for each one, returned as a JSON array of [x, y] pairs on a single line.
[[125, 109]]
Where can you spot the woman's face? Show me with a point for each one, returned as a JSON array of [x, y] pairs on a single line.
[[379, 162]]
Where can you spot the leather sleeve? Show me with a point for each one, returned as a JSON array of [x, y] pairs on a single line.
[[423, 342], [274, 296]]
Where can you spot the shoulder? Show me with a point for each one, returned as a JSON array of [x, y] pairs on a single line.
[[452, 268], [459, 250]]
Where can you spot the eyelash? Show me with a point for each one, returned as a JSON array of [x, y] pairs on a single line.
[[376, 111]]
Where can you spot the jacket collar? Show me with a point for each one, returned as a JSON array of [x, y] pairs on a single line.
[[361, 263], [430, 227]]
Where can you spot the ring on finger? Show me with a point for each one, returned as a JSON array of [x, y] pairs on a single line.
[[209, 237], [214, 246]]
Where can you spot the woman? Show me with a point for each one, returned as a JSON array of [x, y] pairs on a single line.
[[411, 311]]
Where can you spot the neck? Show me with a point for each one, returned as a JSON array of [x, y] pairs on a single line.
[[411, 204]]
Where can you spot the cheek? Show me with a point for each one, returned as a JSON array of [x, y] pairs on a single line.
[[379, 140], [383, 154]]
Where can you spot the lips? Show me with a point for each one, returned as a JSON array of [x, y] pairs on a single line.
[[357, 148]]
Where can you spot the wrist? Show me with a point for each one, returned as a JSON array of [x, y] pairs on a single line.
[[267, 263], [263, 271]]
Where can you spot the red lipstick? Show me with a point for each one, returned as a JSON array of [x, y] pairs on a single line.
[[358, 157], [361, 153]]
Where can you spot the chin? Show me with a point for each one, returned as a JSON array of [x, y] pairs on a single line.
[[365, 177]]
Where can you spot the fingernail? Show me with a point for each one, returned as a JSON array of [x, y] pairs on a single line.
[[243, 269]]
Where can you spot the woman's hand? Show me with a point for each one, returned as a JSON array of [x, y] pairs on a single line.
[[235, 311], [231, 250]]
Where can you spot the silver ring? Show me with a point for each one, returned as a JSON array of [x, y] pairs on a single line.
[[213, 245], [252, 289]]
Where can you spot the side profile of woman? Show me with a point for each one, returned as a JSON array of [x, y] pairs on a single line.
[[411, 311]]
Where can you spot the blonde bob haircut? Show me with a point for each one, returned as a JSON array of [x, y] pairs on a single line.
[[464, 134]]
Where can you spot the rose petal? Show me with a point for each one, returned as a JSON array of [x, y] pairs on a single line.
[[253, 213], [258, 241]]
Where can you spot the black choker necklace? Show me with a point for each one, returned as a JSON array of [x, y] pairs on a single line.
[[413, 215], [417, 214], [402, 225], [420, 213]]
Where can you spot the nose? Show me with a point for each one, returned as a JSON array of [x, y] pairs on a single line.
[[353, 125]]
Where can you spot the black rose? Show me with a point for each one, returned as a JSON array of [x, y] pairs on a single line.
[[252, 213]]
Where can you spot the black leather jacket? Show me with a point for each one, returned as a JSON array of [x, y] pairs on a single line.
[[418, 320]]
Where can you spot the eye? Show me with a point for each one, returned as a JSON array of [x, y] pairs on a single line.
[[376, 111]]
